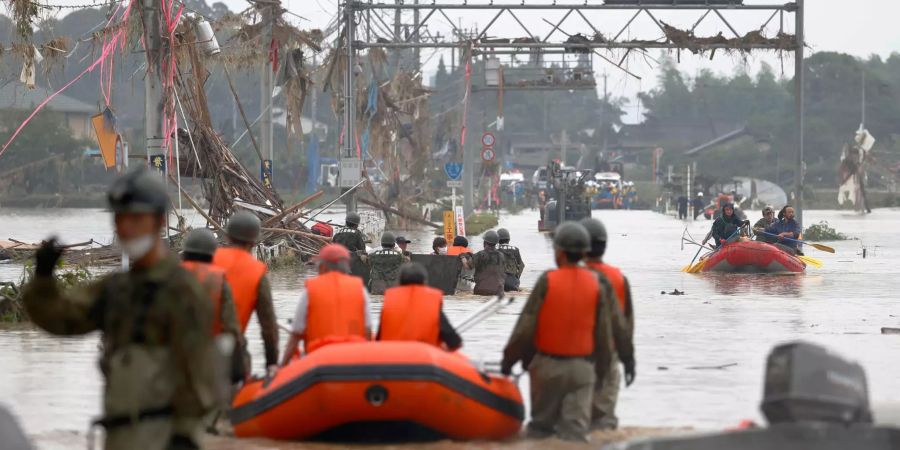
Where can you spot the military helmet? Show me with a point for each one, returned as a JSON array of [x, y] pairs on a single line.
[[200, 241], [595, 229], [413, 273], [571, 237], [491, 237], [138, 191], [243, 226], [352, 218], [388, 239], [503, 233]]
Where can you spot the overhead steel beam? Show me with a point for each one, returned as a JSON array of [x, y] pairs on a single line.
[[562, 45], [790, 7]]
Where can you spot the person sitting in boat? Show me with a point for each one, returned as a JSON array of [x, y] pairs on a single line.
[[334, 308], [788, 228], [767, 220], [725, 228], [413, 311]]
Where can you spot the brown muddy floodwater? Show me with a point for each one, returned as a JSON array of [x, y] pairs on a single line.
[[700, 355]]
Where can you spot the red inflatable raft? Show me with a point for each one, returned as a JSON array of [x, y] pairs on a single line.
[[379, 390], [752, 257]]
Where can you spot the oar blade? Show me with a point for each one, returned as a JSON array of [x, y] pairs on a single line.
[[824, 248], [811, 261]]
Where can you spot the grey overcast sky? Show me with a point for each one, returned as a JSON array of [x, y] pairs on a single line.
[[858, 27]]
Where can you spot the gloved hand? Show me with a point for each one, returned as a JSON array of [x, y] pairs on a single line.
[[506, 368], [630, 373], [46, 257]]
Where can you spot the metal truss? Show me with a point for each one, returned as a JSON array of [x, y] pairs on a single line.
[[376, 32]]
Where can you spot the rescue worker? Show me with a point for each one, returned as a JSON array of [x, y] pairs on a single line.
[[726, 226], [414, 311], [197, 254], [489, 263], [439, 246], [606, 393], [699, 205], [513, 264], [249, 283], [158, 355], [461, 249], [788, 227], [402, 242], [334, 308], [564, 336], [767, 220], [349, 235], [385, 265]]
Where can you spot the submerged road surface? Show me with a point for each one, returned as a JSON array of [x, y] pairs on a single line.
[[700, 355]]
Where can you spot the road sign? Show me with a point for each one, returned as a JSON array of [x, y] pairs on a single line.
[[460, 221], [351, 172], [449, 229], [487, 154], [453, 170], [487, 139], [454, 183]]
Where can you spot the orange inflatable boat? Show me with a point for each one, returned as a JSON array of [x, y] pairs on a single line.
[[379, 391]]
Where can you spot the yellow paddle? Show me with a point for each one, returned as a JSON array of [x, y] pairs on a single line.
[[810, 261]]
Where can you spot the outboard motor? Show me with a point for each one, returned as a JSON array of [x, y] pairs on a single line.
[[807, 383]]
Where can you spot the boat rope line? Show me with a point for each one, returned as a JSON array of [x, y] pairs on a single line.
[[376, 373]]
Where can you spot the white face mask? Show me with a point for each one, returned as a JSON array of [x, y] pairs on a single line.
[[442, 250], [138, 247]]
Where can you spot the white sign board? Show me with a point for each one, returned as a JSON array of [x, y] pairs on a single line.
[[351, 172], [454, 183], [460, 221]]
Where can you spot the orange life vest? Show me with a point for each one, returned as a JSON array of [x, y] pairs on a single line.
[[567, 319], [412, 313], [615, 277], [243, 273], [212, 279], [335, 310], [455, 250]]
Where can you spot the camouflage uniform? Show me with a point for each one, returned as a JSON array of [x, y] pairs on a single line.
[[158, 358], [513, 265], [490, 274], [553, 412], [385, 269], [351, 238]]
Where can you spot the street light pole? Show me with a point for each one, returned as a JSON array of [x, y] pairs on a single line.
[[798, 98]]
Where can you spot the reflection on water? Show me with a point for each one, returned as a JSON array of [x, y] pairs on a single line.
[[722, 320], [747, 285]]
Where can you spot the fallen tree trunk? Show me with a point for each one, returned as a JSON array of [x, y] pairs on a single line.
[[382, 206]]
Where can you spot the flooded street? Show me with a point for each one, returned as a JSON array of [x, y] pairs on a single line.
[[700, 356]]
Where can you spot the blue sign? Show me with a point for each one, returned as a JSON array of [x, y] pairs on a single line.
[[265, 172], [454, 170]]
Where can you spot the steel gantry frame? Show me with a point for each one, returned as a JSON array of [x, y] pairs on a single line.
[[364, 27]]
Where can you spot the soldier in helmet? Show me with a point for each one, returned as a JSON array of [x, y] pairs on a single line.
[[566, 328], [490, 272], [158, 356], [349, 236], [197, 253], [385, 265], [606, 394], [512, 260], [249, 283]]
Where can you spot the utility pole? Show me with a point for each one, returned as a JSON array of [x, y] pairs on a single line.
[[349, 100], [415, 37], [798, 98], [153, 94], [266, 88]]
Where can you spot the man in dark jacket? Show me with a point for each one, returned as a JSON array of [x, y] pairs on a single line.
[[726, 225], [789, 228]]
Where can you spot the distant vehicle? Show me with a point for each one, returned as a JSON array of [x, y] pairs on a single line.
[[539, 179], [608, 186]]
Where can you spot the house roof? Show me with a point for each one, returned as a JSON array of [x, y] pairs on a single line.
[[14, 95]]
